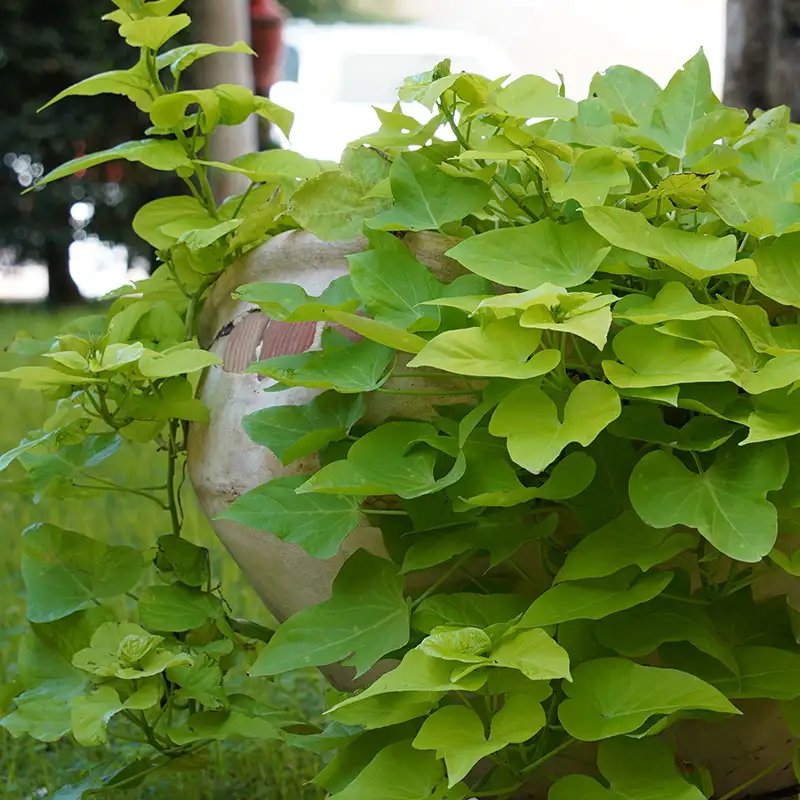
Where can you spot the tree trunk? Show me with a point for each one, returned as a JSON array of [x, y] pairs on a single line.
[[763, 54], [62, 289], [224, 22]]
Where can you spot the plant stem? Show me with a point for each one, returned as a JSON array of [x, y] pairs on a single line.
[[103, 488], [386, 512], [172, 503], [442, 578], [756, 778], [547, 756], [428, 393]]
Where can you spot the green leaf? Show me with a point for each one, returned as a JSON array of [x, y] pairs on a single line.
[[496, 534], [595, 174], [65, 571], [696, 255], [673, 302], [466, 610], [636, 769], [398, 772], [568, 601], [42, 710], [500, 349], [134, 83], [181, 361], [613, 696], [359, 367], [425, 197], [333, 206], [775, 416], [766, 209], [380, 463], [319, 523], [590, 408], [643, 630], [200, 681], [392, 284], [10, 456], [651, 359], [176, 607], [530, 255], [532, 96], [726, 503], [186, 561], [627, 92], [91, 715], [159, 154], [292, 432], [764, 672], [778, 274], [365, 618], [181, 58], [153, 32], [623, 542], [456, 733], [533, 653], [168, 110]]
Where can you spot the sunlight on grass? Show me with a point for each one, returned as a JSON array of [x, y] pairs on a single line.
[[230, 771]]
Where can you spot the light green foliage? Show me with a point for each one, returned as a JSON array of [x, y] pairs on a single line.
[[578, 473]]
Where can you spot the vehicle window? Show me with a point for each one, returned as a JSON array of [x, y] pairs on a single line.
[[374, 77], [290, 64]]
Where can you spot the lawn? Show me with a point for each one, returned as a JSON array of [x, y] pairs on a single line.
[[234, 771]]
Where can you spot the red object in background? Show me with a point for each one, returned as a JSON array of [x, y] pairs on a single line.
[[267, 25]]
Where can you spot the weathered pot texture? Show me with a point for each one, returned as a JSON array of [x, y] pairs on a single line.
[[225, 464]]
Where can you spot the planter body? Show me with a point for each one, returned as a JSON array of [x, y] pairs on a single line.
[[225, 464]]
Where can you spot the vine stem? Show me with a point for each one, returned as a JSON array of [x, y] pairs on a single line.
[[547, 756], [442, 578], [172, 502], [768, 770], [103, 488]]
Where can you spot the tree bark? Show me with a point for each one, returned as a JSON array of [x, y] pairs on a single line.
[[763, 54], [62, 290], [224, 22]]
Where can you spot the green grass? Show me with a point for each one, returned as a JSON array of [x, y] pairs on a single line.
[[233, 771]]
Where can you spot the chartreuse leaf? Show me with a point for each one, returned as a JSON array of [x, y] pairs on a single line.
[[673, 302], [333, 206], [636, 769], [763, 672], [159, 154], [176, 361], [168, 110], [153, 32], [181, 58], [179, 214], [613, 696], [778, 274], [726, 502], [595, 173], [590, 408], [426, 198], [292, 432], [392, 284], [595, 600], [398, 772], [499, 349], [365, 618], [696, 255], [289, 302], [92, 713], [652, 359], [65, 571], [775, 416], [319, 523], [134, 83], [627, 92], [457, 735], [528, 256], [623, 542], [532, 96]]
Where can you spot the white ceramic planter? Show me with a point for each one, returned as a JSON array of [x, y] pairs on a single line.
[[225, 464]]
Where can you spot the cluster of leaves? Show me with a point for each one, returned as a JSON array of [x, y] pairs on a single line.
[[605, 495]]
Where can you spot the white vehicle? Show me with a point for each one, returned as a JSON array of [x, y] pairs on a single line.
[[333, 75]]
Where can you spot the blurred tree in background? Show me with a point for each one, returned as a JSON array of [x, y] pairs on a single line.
[[41, 53]]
